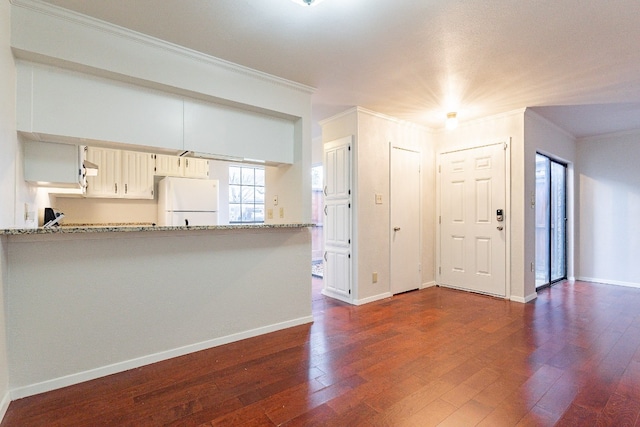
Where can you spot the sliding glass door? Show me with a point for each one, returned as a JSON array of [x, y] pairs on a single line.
[[551, 221]]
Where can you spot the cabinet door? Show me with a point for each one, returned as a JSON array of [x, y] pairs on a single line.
[[196, 168], [137, 175], [169, 165], [107, 183]]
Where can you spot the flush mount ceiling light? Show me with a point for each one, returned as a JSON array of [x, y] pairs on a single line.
[[452, 120], [308, 2]]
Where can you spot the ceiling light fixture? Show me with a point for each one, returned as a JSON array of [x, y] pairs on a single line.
[[452, 120], [307, 2]]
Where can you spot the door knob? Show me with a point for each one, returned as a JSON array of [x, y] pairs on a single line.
[[500, 227], [396, 228]]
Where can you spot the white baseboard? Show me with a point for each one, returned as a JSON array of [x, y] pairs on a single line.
[[428, 284], [373, 298], [4, 405], [524, 300], [32, 389], [609, 282]]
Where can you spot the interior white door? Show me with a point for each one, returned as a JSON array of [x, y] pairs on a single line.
[[405, 220], [472, 234], [337, 221]]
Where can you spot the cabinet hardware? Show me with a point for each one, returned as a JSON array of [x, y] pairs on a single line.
[[325, 256], [126, 188], [116, 187], [325, 190], [325, 210]]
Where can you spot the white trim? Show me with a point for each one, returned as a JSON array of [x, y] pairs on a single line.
[[426, 285], [524, 300], [134, 36], [4, 404], [608, 282], [56, 383], [328, 293], [373, 298]]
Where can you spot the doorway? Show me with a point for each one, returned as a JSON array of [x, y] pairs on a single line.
[[405, 220], [551, 221]]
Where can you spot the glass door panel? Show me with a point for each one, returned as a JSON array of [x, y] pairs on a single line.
[[558, 222], [543, 178], [551, 222]]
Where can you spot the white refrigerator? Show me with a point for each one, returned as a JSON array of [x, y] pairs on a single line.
[[187, 201]]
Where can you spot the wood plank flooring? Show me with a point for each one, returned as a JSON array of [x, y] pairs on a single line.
[[425, 358]]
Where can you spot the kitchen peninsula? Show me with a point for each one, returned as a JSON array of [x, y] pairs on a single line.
[[84, 302]]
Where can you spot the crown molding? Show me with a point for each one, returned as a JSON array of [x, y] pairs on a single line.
[[143, 39]]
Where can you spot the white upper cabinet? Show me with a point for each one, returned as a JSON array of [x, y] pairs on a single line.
[[52, 163], [223, 130], [121, 174], [53, 101], [196, 168], [181, 166], [137, 175], [168, 165], [107, 183]]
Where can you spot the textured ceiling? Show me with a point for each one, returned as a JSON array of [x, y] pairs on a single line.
[[417, 59]]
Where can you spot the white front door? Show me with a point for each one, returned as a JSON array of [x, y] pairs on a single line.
[[405, 220], [472, 234]]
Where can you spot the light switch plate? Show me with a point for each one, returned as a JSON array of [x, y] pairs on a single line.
[[378, 199]]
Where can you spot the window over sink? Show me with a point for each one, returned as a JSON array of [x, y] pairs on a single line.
[[246, 194]]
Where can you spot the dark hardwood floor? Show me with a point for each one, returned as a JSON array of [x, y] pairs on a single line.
[[430, 357]]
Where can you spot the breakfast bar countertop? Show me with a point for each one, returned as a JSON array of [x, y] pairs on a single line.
[[140, 227]]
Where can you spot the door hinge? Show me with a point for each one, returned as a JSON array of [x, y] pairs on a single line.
[[439, 219], [349, 205], [505, 145], [349, 241], [439, 168], [439, 270], [349, 256], [349, 147], [349, 291]]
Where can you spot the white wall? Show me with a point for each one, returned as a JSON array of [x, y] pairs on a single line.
[[504, 128], [9, 148], [608, 209], [542, 136], [373, 132], [104, 303]]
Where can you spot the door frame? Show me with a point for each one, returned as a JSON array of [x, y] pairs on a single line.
[[507, 197], [393, 146]]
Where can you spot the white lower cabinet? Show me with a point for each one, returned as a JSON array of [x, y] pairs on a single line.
[[121, 174]]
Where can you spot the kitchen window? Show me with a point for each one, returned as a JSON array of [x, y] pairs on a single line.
[[246, 194]]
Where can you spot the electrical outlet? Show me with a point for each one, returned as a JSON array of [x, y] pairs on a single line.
[[269, 213], [281, 212], [374, 277]]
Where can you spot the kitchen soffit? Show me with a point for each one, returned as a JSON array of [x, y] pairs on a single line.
[[417, 60]]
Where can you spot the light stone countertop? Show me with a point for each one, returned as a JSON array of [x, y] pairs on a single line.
[[120, 228]]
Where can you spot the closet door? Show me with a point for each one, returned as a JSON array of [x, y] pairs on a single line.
[[337, 226]]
